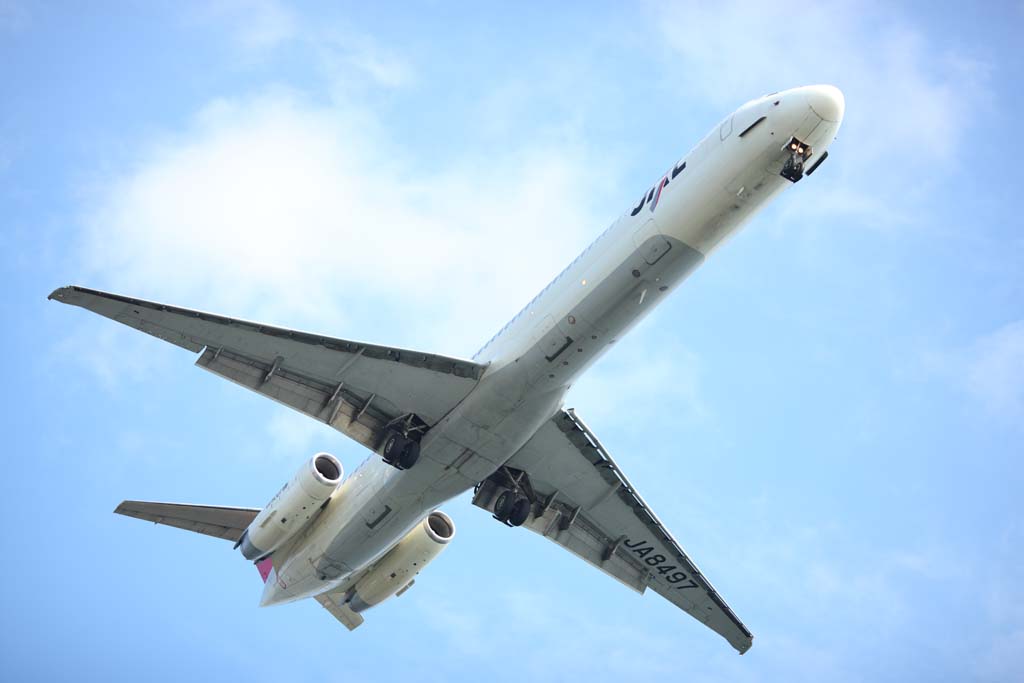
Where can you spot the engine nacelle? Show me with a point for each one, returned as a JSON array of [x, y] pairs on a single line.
[[397, 569], [292, 507]]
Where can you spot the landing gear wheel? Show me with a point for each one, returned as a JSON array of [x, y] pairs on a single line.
[[410, 454], [503, 506], [400, 451], [511, 508], [392, 447], [520, 512]]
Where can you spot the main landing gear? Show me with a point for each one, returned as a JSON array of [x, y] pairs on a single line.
[[511, 508], [400, 451], [508, 495]]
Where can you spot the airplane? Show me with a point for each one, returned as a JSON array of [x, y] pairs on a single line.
[[495, 424]]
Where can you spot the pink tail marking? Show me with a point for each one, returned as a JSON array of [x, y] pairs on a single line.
[[264, 567]]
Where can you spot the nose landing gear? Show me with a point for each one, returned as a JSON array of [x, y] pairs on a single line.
[[793, 169]]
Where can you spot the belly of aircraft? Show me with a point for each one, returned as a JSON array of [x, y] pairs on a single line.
[[379, 504]]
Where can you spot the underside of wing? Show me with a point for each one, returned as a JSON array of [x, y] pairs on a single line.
[[213, 520], [583, 502], [359, 389]]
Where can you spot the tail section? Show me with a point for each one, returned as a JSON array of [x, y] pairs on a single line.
[[264, 567]]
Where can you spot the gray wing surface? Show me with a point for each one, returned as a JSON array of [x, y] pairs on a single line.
[[213, 520], [359, 389], [586, 505]]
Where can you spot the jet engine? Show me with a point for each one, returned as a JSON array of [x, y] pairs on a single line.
[[395, 572], [292, 507]]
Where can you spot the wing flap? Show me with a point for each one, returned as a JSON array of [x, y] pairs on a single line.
[[217, 521], [586, 541], [356, 414]]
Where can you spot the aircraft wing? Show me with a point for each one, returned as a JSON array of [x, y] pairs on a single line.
[[213, 520], [359, 389], [585, 504]]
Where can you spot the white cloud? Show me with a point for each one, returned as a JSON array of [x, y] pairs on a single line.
[[256, 25], [297, 213]]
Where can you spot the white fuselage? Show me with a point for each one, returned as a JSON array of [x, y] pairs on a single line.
[[534, 359]]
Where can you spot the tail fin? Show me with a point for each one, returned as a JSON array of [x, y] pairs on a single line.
[[264, 567]]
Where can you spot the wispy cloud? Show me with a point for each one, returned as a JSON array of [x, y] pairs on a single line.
[[989, 369], [297, 212], [905, 94], [291, 432], [560, 638], [995, 370], [256, 26], [111, 355], [634, 388], [345, 53]]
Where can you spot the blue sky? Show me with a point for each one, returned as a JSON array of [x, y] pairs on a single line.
[[828, 414]]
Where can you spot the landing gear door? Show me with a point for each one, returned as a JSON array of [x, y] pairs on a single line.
[[651, 243]]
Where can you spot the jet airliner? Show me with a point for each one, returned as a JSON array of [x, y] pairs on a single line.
[[494, 425]]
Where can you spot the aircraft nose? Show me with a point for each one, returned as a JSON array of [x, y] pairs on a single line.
[[827, 101]]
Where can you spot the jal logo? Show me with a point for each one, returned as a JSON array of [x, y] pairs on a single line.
[[652, 196]]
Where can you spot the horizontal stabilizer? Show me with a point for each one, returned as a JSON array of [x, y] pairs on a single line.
[[339, 610], [213, 520]]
